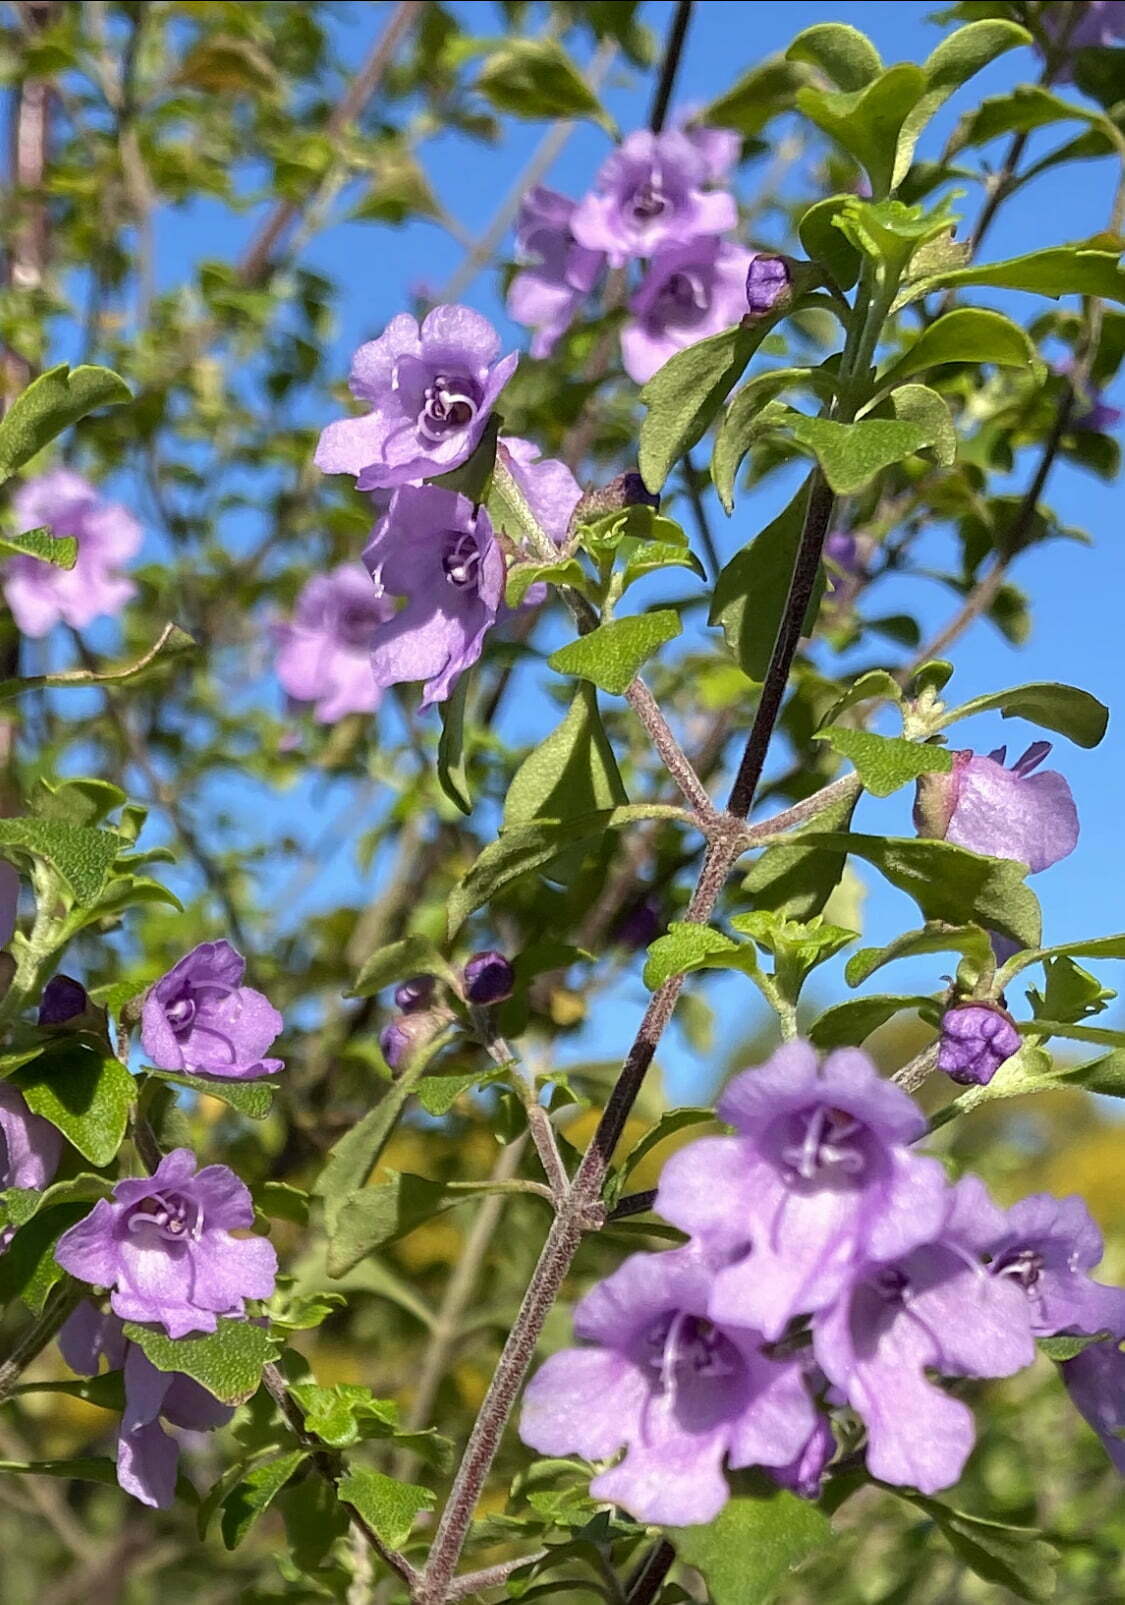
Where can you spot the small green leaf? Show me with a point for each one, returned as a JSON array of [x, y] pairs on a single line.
[[956, 59], [254, 1099], [355, 1156], [1024, 108], [61, 551], [825, 243], [227, 1362], [1063, 708], [438, 1094], [759, 95], [748, 1551], [875, 684], [84, 858], [106, 1392], [50, 404], [848, 1024], [923, 407], [1016, 1558], [971, 940], [612, 655], [574, 771], [452, 765], [390, 1507], [868, 121], [685, 395], [852, 455], [1105, 1076], [845, 56], [334, 1414], [1078, 269], [1067, 1345], [522, 576], [253, 1496], [885, 763], [536, 78], [966, 334], [84, 1091], [685, 947], [670, 1123], [749, 417], [19, 1204], [28, 1268]]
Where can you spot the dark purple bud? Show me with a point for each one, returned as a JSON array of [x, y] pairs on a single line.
[[976, 1039], [768, 283], [627, 490], [414, 994], [640, 925], [401, 1039], [488, 978], [63, 999]]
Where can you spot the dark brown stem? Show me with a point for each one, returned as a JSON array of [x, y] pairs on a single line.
[[648, 1579], [673, 50]]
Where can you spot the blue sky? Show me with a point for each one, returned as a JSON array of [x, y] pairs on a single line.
[[1078, 592]]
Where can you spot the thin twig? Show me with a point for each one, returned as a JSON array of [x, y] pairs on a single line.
[[648, 1579], [473, 1583], [672, 54]]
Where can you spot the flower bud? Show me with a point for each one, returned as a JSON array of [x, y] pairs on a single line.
[[403, 1036], [627, 490], [976, 1039], [488, 978], [769, 283], [63, 999], [414, 994], [639, 925]]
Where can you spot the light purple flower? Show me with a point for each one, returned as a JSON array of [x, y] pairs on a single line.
[[200, 1018], [1002, 813], [163, 1245], [1099, 417], [440, 553], [976, 1039], [934, 1309], [405, 1035], [649, 194], [547, 293], [1095, 1380], [1045, 1247], [689, 292], [680, 1393], [717, 148], [551, 489], [41, 595], [29, 1148], [146, 1455], [819, 1178], [431, 390], [324, 651]]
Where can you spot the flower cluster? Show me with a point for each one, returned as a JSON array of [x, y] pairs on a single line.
[[829, 1264], [41, 595], [437, 566], [656, 200]]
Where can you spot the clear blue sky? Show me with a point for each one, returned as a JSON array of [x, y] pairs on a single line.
[[1078, 592]]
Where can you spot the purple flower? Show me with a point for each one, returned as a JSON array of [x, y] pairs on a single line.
[[431, 391], [649, 194], [640, 924], [551, 490], [200, 1018], [819, 1178], [717, 148], [689, 292], [163, 1245], [1095, 1380], [9, 901], [932, 1309], [805, 1473], [41, 595], [679, 1392], [440, 553], [146, 1455], [1045, 1246], [324, 651], [29, 1148], [976, 1038], [488, 978], [1099, 417], [1101, 22], [546, 294], [768, 279], [1002, 813]]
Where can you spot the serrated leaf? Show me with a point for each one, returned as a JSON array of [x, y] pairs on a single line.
[[390, 1507], [876, 683], [852, 455], [754, 1542], [970, 940], [536, 78], [574, 771], [252, 1496], [851, 1023], [612, 655], [333, 1414], [50, 404], [83, 1091], [83, 857], [885, 763], [251, 1098], [227, 1362], [1065, 709], [61, 551]]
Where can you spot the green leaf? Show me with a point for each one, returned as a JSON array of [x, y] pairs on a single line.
[[253, 1496], [84, 1091], [1071, 993], [686, 947], [227, 1362], [748, 1551], [825, 243], [936, 938], [106, 1392], [355, 1156], [1077, 269], [612, 655], [19, 1204], [685, 395], [1016, 1558], [1105, 1076], [967, 334], [885, 763], [670, 1122], [852, 455], [413, 955], [949, 883], [254, 1099], [868, 121], [845, 56], [848, 1024], [956, 59], [795, 880], [522, 576], [83, 857], [1024, 108], [390, 1507], [28, 1268], [334, 1414], [1067, 1345], [438, 1094], [925, 408], [1063, 708], [452, 765], [1092, 947], [1074, 1031], [50, 404], [752, 589], [573, 771], [536, 78], [535, 845], [372, 1216], [756, 97], [748, 417], [875, 684], [59, 550], [79, 1468]]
